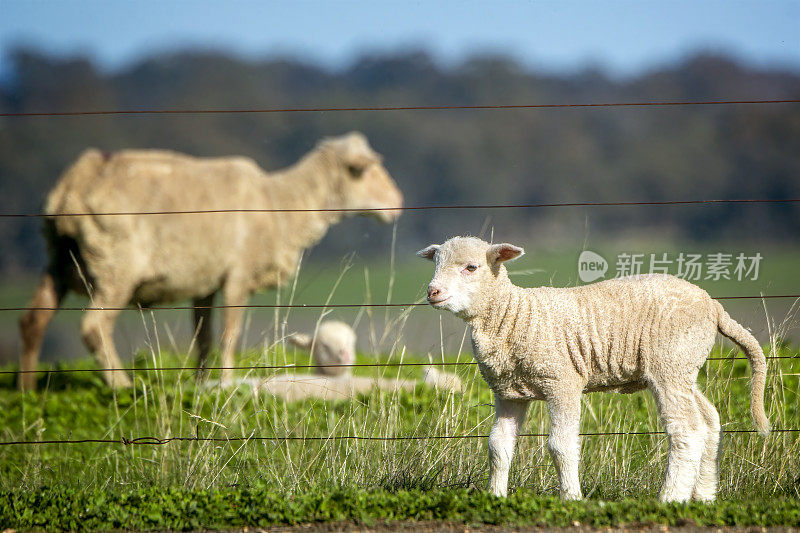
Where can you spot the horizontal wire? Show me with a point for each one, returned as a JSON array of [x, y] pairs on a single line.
[[292, 367], [189, 307], [379, 108], [302, 306], [409, 208], [166, 440], [257, 367]]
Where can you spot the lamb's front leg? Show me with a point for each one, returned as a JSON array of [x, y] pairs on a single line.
[[564, 442], [509, 416]]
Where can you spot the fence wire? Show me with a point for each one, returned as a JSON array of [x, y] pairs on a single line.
[[306, 306], [385, 108], [300, 367], [275, 439], [411, 208]]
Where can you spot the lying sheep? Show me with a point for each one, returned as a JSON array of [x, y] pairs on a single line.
[[294, 387], [441, 380], [627, 334], [334, 344]]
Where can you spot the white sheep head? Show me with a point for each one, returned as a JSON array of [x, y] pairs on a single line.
[[468, 273], [334, 344], [364, 183]]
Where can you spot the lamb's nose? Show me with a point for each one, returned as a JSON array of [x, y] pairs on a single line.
[[433, 292]]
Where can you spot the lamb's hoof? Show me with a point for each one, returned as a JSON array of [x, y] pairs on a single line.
[[704, 498], [494, 491], [672, 498]]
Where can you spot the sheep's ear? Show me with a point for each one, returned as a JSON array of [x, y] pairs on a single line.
[[429, 252], [355, 152], [301, 340], [499, 253]]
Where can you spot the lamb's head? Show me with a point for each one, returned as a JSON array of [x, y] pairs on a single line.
[[362, 181], [334, 344], [469, 272]]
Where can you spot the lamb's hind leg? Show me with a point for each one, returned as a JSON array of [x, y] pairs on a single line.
[[33, 323], [686, 430], [509, 416], [564, 441], [708, 479]]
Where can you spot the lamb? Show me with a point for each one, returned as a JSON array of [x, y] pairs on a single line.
[[553, 344], [147, 259], [294, 387], [334, 344]]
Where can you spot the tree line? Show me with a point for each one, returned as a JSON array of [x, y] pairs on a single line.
[[437, 157]]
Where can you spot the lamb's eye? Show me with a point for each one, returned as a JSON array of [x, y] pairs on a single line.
[[471, 268]]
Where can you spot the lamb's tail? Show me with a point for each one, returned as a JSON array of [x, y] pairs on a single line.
[[738, 334]]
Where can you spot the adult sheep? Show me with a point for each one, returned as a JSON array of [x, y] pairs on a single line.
[[147, 259], [627, 334]]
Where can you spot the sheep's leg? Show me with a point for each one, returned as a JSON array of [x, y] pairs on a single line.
[[97, 330], [33, 323], [708, 479], [509, 416], [564, 441], [233, 295], [203, 329], [687, 438]]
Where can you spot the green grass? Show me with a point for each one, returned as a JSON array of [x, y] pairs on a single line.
[[283, 481], [181, 509]]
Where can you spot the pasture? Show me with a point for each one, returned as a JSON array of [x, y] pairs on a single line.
[[372, 478], [288, 462]]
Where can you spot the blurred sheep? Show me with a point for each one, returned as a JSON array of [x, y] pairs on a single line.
[[143, 260], [334, 344]]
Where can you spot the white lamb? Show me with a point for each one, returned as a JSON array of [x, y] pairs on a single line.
[[333, 345], [627, 334], [333, 349]]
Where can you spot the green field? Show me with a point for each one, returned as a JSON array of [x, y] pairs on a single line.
[[626, 470]]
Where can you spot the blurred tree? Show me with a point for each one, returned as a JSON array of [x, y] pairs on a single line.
[[437, 157]]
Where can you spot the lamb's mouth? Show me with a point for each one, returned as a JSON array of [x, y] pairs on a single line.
[[435, 303]]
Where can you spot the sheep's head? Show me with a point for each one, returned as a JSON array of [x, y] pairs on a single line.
[[468, 272], [335, 344], [363, 181]]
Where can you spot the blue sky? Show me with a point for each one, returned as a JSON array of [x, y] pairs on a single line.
[[623, 36]]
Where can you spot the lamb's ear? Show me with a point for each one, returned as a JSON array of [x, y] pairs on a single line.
[[429, 252], [301, 340], [499, 253]]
